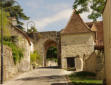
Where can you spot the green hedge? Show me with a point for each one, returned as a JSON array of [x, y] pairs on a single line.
[[84, 78]]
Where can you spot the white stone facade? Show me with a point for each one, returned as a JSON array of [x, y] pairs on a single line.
[[78, 46]]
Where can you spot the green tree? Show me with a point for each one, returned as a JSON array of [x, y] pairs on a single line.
[[96, 6], [35, 58], [5, 23], [32, 30], [52, 52], [14, 10]]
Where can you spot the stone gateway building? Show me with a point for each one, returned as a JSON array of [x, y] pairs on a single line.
[[77, 43], [42, 41]]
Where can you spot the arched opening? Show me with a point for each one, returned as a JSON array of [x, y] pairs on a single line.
[[51, 54]]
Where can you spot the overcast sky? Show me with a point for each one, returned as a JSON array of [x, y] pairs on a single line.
[[49, 15]]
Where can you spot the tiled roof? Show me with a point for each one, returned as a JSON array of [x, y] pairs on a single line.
[[75, 25]]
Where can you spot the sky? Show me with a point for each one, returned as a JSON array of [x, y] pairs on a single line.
[[48, 15]]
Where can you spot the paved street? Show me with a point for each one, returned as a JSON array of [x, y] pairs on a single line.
[[42, 76]]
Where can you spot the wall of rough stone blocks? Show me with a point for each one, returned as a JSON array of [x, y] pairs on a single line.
[[90, 63], [22, 43], [95, 63], [9, 67], [76, 45], [100, 64]]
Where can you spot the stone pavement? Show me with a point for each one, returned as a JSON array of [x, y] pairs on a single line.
[[41, 76]]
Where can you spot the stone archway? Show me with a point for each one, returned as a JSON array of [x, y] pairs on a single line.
[[47, 44], [43, 40]]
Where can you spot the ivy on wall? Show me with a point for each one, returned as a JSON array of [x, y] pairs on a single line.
[[16, 52]]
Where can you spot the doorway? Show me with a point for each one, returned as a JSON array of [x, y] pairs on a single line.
[[71, 63], [51, 57]]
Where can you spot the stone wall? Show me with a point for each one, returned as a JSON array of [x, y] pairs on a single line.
[[90, 63], [100, 64], [95, 63], [78, 46], [24, 43], [9, 68]]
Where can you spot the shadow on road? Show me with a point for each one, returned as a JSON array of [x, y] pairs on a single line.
[[52, 78], [73, 84], [62, 84]]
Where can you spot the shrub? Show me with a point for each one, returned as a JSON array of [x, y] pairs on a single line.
[[84, 74], [35, 58], [84, 78]]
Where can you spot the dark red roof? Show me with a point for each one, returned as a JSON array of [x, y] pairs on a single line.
[[75, 25]]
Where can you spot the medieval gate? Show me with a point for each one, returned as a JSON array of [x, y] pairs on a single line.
[[43, 40]]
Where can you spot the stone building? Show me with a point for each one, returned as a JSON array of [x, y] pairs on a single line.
[[77, 43], [107, 40]]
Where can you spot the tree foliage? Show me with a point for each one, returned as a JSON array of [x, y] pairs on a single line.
[[14, 10], [96, 6], [16, 51], [52, 52], [35, 58], [5, 23], [32, 30]]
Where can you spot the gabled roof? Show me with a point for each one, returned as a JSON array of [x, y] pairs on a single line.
[[75, 25]]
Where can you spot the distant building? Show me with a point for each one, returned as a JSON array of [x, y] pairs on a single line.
[[97, 28]]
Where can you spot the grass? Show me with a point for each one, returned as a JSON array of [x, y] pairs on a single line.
[[84, 78]]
